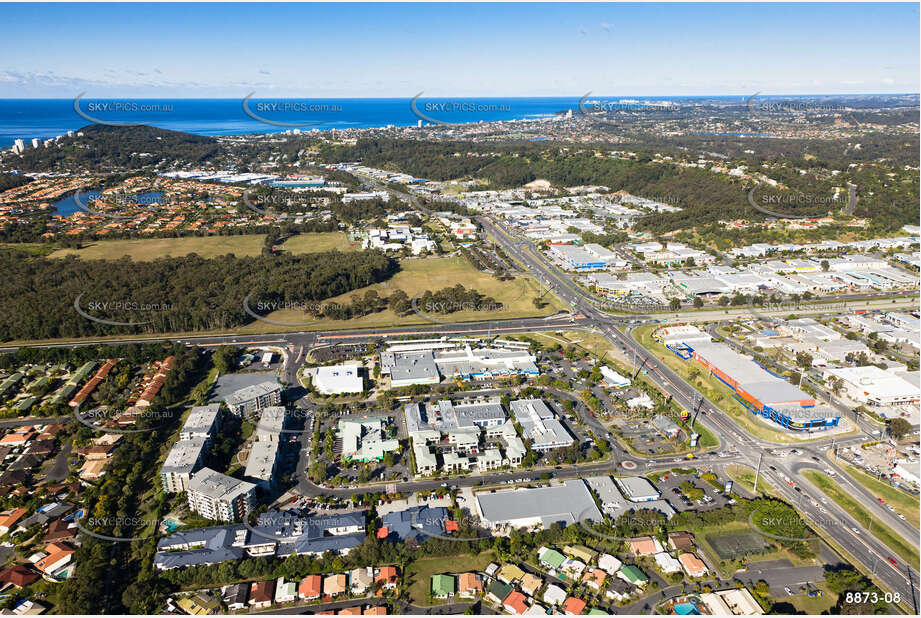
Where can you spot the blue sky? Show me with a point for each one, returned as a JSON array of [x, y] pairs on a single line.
[[397, 50]]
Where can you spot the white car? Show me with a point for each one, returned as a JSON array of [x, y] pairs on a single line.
[[901, 516], [855, 531]]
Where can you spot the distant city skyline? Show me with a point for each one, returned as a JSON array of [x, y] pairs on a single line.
[[445, 50]]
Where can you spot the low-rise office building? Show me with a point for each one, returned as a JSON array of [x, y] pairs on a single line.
[[637, 489], [339, 379], [876, 387], [363, 438], [407, 368], [539, 425]]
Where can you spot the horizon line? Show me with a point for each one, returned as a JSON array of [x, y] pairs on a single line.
[[395, 98]]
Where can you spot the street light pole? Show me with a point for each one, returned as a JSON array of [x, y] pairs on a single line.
[[758, 472]]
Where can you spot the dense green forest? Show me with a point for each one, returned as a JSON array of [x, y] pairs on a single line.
[[9, 181], [108, 147], [168, 295], [704, 196]]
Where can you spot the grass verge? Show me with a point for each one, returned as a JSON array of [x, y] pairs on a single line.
[[900, 546], [902, 502], [746, 478]]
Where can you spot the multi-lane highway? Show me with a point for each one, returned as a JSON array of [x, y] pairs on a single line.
[[863, 547], [588, 313]]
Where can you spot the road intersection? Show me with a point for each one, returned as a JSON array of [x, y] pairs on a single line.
[[784, 474]]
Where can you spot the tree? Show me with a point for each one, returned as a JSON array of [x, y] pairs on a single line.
[[723, 301], [675, 304], [804, 360], [385, 401], [899, 427], [825, 265], [698, 302], [318, 472], [225, 358]]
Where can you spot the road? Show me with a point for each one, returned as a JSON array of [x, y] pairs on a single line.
[[588, 313], [863, 547]]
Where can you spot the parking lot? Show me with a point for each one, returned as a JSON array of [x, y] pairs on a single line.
[[670, 486]]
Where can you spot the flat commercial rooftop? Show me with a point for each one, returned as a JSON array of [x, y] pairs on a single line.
[[232, 382], [410, 366], [605, 489], [766, 388], [740, 368], [637, 488], [775, 391], [797, 413], [566, 503]]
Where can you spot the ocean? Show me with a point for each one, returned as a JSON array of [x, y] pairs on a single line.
[[47, 118]]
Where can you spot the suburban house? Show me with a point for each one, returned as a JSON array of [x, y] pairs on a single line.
[[310, 588]]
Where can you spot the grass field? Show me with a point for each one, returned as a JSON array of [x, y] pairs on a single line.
[[590, 342], [746, 478], [146, 249], [418, 578], [902, 502], [320, 241], [415, 277], [900, 546], [33, 248], [813, 606]]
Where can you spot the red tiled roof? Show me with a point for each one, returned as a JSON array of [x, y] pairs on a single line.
[[18, 575], [516, 602], [574, 606]]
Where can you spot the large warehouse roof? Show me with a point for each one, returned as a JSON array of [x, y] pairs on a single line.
[[774, 391], [751, 377], [567, 503], [740, 368]]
